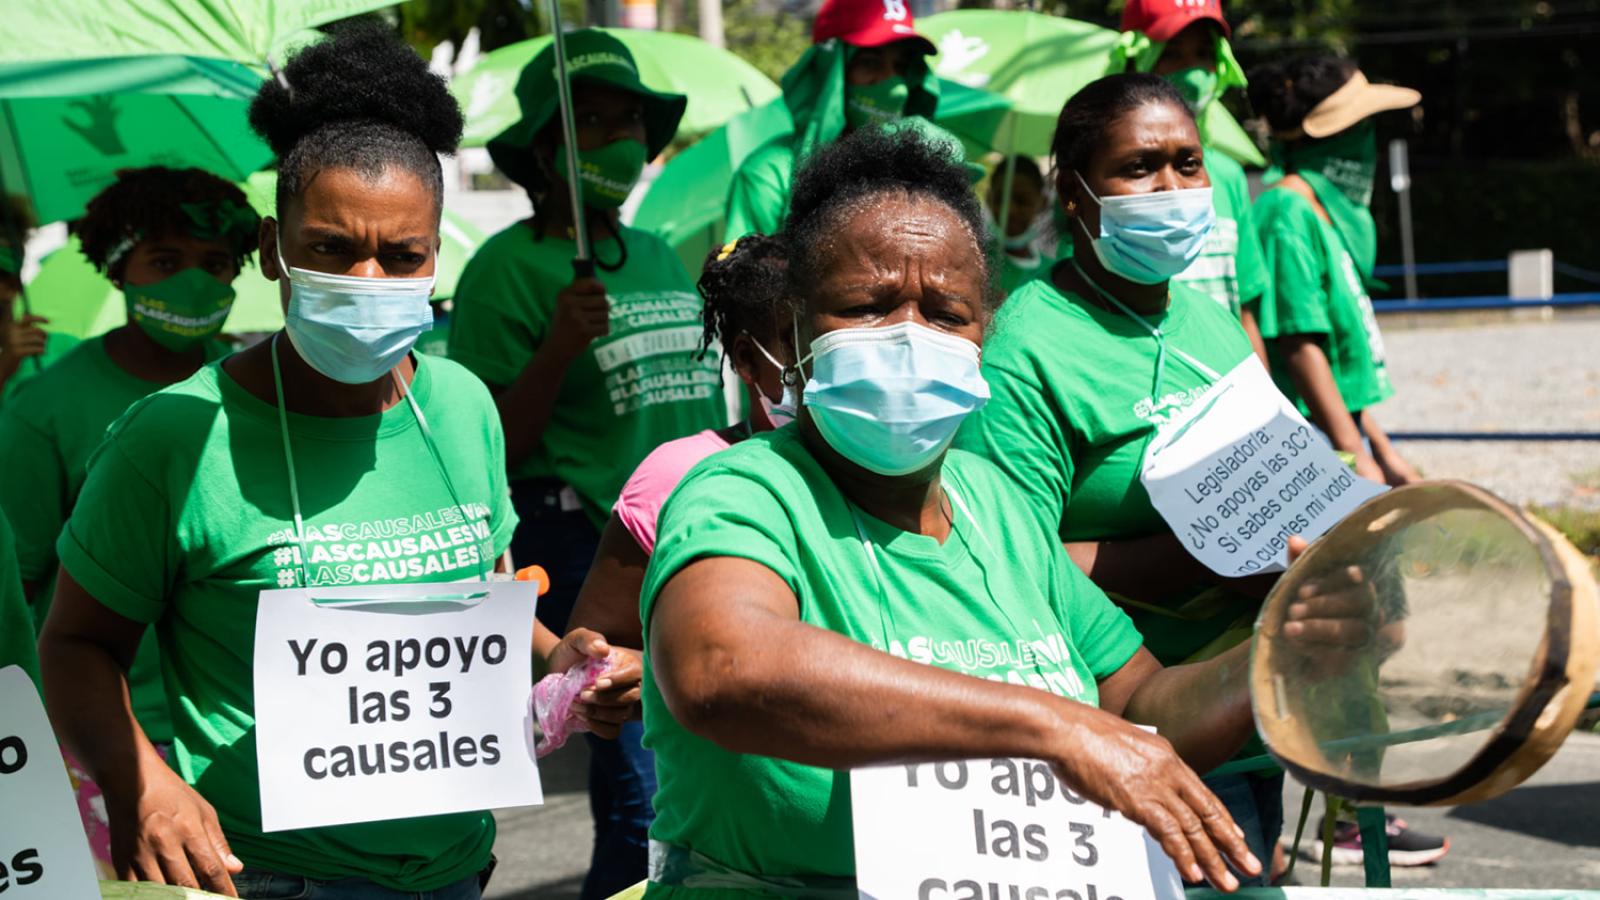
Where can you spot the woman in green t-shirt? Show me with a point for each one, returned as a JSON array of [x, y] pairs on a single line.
[[1320, 243], [800, 576], [194, 504], [173, 240], [591, 369], [1086, 365]]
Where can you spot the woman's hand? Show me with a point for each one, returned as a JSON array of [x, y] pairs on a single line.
[[22, 338], [614, 698], [1368, 468], [169, 834], [582, 314], [1137, 773]]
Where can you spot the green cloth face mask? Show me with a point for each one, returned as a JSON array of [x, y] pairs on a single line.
[[182, 310], [1349, 159], [608, 173], [874, 104], [1197, 85]]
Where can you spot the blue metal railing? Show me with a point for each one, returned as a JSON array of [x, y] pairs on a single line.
[[1458, 304], [1493, 301]]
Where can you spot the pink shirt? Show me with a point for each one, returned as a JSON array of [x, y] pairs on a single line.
[[652, 483]]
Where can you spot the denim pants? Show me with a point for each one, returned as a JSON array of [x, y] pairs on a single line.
[[622, 784], [622, 775], [255, 884], [1255, 802]]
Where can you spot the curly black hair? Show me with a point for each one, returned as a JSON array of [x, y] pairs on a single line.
[[1286, 92], [359, 100], [157, 202], [836, 179], [1088, 114], [745, 289]]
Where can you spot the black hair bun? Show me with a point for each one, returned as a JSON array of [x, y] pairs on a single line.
[[361, 73]]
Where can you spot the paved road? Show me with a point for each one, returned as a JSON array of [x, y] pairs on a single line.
[[1545, 834], [1504, 376]]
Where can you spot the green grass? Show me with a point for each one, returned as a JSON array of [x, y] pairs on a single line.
[[1581, 526]]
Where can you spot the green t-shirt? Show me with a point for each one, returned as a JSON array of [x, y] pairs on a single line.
[[1230, 269], [1070, 413], [186, 518], [17, 644], [56, 345], [968, 605], [629, 392], [1318, 290], [758, 198], [48, 431]]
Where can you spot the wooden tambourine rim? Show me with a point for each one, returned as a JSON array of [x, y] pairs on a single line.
[[1513, 745]]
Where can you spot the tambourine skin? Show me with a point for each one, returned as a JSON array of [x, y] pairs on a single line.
[[1545, 708]]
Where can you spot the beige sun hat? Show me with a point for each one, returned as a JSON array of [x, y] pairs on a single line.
[[1357, 99]]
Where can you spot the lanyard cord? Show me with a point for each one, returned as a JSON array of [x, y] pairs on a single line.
[[1161, 339], [294, 485], [877, 570]]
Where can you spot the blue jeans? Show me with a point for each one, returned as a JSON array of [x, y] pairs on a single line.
[[1255, 802], [563, 541], [255, 884], [622, 774], [622, 783]]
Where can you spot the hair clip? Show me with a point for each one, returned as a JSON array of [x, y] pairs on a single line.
[[727, 249]]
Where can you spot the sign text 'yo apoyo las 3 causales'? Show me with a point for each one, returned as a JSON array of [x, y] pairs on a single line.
[[395, 701], [979, 829], [43, 852]]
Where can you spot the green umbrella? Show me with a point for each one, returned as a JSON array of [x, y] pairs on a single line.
[[1038, 61], [80, 301], [684, 205], [1033, 60], [243, 30], [67, 127], [719, 85]]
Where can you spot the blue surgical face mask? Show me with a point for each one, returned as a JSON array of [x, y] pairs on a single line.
[[354, 329], [890, 399], [782, 412], [1149, 238]]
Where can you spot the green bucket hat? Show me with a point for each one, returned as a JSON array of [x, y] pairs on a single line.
[[592, 56]]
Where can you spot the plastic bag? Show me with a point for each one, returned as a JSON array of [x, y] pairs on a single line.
[[553, 697]]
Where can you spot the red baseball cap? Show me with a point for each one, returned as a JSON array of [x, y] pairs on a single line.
[[1161, 20], [868, 23]]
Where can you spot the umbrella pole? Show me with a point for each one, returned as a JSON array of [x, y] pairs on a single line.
[[583, 264], [1005, 191]]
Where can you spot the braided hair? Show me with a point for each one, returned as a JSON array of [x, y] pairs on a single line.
[[745, 290], [158, 202]]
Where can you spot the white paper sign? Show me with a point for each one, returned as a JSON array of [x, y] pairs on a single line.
[[43, 852], [985, 828], [1241, 471], [388, 702]]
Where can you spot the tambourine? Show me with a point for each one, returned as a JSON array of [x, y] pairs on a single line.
[[1476, 639]]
